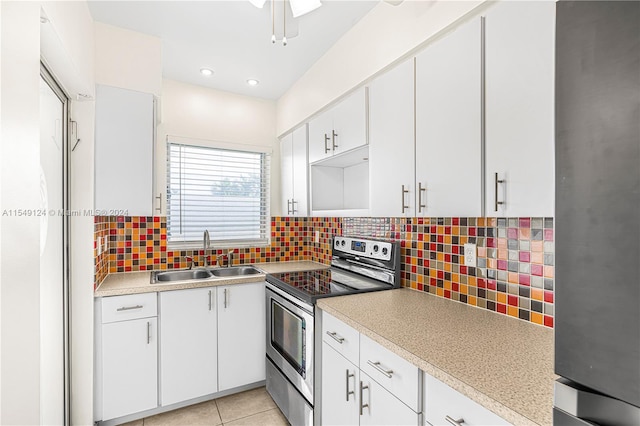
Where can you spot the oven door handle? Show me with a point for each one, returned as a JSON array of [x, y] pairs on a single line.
[[335, 336]]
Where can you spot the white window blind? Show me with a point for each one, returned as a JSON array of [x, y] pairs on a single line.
[[223, 191]]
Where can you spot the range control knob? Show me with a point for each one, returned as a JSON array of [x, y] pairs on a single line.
[[342, 243], [375, 248], [385, 250]]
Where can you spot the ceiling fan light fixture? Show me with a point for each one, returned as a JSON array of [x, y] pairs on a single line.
[[301, 7]]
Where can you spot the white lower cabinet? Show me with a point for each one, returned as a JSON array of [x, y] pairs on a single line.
[[446, 406], [340, 396], [188, 321], [241, 334], [381, 407], [128, 351]]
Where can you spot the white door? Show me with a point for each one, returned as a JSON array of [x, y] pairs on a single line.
[[320, 129], [449, 125], [52, 248], [340, 379], [349, 122], [391, 143], [241, 334], [300, 175], [129, 367], [520, 72], [188, 325], [286, 173], [381, 407]]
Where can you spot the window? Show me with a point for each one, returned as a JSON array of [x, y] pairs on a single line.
[[220, 190]]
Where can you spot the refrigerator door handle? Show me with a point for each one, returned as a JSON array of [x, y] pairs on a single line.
[[592, 406]]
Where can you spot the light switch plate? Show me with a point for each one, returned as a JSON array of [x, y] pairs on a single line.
[[470, 255], [316, 237]]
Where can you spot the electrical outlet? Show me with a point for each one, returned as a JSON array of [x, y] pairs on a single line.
[[470, 255], [105, 248], [316, 237], [99, 246]]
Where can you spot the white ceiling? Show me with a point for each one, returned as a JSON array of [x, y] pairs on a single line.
[[233, 38]]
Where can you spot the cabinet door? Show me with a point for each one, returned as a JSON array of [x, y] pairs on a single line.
[[382, 408], [391, 142], [188, 366], [448, 125], [286, 173], [124, 141], [129, 367], [241, 334], [340, 380], [349, 122], [300, 174], [320, 129], [520, 108]]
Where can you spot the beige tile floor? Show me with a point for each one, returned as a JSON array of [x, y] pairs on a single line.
[[253, 407]]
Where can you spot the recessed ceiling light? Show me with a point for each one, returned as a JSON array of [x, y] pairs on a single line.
[[252, 82], [206, 72]]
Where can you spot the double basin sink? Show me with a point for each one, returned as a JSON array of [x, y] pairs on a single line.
[[202, 274]]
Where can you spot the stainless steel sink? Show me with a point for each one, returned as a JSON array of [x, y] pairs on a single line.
[[182, 275], [235, 271]]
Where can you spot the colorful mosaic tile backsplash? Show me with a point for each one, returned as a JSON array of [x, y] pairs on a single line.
[[514, 274]]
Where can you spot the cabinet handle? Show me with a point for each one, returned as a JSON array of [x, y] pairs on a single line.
[[376, 365], [404, 191], [496, 181], [420, 191], [333, 139], [326, 147], [293, 206], [288, 206], [335, 336], [159, 198], [362, 406], [148, 332], [225, 298], [451, 420], [348, 392], [210, 303], [128, 308]]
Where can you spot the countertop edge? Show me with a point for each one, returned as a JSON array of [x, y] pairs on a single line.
[[491, 404]]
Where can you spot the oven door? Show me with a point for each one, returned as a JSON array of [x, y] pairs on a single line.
[[290, 339]]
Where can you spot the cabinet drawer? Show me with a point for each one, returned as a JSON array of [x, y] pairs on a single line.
[[395, 374], [340, 337], [442, 401], [131, 306]]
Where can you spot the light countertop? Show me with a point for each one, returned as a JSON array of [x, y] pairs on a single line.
[[140, 282], [500, 362]]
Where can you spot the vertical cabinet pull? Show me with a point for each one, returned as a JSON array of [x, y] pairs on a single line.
[[454, 422], [420, 191], [348, 392], [404, 191], [159, 198], [210, 303], [288, 206], [293, 206], [148, 332], [326, 147], [496, 181], [333, 140], [225, 298], [362, 406]]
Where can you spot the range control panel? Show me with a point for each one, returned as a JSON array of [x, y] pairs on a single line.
[[379, 250]]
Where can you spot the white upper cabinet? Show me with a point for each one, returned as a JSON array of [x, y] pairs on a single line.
[[519, 46], [449, 125], [124, 151], [294, 175], [391, 142], [339, 129]]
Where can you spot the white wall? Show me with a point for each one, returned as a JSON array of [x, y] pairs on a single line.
[[197, 112], [128, 59], [384, 36], [68, 50], [19, 165]]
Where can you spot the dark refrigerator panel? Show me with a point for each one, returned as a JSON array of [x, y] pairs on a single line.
[[597, 324]]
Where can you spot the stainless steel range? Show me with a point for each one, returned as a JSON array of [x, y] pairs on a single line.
[[358, 265]]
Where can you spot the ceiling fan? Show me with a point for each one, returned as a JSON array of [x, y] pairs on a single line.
[[282, 23]]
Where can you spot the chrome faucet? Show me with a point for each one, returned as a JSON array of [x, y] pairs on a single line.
[[229, 256], [191, 261], [206, 244]]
